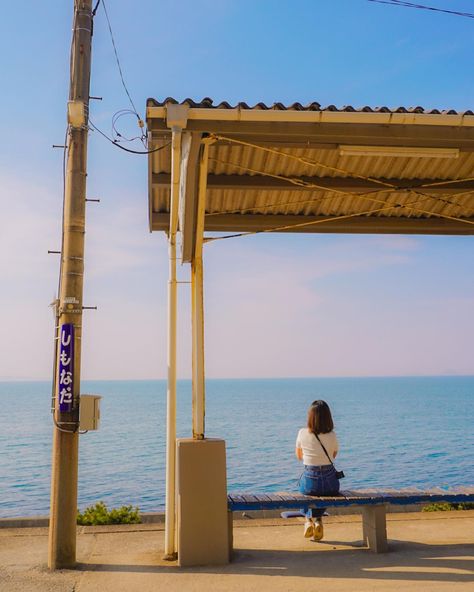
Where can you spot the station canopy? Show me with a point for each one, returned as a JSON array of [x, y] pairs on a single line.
[[313, 169]]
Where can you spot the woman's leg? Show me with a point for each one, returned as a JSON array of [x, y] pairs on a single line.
[[314, 516], [312, 483], [308, 528]]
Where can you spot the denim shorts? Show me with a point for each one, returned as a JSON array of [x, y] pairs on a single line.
[[319, 480]]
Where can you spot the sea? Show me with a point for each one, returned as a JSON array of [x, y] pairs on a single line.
[[393, 432]]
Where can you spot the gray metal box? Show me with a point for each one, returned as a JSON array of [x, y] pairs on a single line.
[[89, 412]]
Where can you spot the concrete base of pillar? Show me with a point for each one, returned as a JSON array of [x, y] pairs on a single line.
[[202, 518]]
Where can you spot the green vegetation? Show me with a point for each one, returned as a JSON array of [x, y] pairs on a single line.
[[98, 514], [448, 507]]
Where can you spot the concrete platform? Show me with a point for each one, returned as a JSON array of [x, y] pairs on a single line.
[[429, 552]]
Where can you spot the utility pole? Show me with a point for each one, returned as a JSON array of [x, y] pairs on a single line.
[[66, 380]]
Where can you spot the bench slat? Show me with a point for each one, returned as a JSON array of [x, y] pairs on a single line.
[[248, 497], [287, 496], [275, 497], [296, 500], [264, 497]]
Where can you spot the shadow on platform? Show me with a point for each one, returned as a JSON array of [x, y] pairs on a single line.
[[405, 561]]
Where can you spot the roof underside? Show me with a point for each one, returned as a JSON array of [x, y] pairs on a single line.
[[296, 169]]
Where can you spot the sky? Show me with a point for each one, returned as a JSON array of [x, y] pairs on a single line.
[[275, 305]]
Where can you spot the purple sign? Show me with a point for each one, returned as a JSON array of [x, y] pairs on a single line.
[[66, 367]]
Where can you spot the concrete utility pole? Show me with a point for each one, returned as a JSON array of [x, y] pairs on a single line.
[[62, 529]]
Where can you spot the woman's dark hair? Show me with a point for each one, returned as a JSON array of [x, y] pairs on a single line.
[[320, 418]]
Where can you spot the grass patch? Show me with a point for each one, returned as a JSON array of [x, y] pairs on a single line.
[[99, 514], [448, 506]]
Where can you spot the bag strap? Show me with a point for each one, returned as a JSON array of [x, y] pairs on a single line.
[[322, 445]]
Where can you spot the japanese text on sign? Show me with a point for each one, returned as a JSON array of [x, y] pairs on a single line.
[[66, 369]]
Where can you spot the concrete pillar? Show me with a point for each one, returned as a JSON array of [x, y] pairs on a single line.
[[202, 518], [374, 527]]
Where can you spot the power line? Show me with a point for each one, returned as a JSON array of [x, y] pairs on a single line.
[[119, 137], [141, 125], [423, 7], [118, 61], [386, 187], [95, 8], [115, 143]]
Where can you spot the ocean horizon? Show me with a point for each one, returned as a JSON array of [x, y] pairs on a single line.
[[393, 432]]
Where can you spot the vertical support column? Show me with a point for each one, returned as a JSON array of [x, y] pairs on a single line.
[[63, 512], [170, 517], [197, 305]]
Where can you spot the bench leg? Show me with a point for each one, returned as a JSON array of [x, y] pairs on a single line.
[[230, 518], [374, 528]]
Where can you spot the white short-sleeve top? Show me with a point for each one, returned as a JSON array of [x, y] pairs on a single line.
[[313, 453]]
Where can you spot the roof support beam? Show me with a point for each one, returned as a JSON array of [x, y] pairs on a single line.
[[333, 133], [349, 184], [356, 225], [170, 519], [189, 180], [197, 304]]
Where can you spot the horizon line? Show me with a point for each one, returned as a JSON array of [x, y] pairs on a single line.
[[188, 379]]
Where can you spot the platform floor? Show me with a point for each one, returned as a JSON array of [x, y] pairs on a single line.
[[429, 552]]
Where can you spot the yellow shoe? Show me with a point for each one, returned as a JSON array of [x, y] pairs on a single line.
[[318, 531], [308, 529]]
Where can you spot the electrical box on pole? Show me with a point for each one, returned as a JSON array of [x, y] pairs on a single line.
[[89, 414]]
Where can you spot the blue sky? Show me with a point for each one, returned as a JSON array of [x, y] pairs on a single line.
[[275, 305]]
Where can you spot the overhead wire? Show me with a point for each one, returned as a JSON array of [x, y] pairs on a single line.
[[423, 7], [322, 221], [115, 133], [143, 133], [317, 164], [387, 187], [115, 143], [301, 159], [308, 223], [117, 59], [294, 181], [95, 8]]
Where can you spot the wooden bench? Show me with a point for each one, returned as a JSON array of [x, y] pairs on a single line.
[[372, 502]]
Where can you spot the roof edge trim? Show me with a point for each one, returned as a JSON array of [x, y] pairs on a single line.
[[354, 117]]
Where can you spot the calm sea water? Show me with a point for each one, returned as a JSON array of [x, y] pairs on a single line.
[[393, 432]]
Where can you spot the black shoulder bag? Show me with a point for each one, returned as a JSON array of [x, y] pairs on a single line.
[[339, 474]]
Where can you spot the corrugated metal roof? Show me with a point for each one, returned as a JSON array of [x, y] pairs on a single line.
[[207, 103], [250, 185]]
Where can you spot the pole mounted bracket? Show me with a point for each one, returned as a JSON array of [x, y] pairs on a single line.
[[177, 116], [76, 113]]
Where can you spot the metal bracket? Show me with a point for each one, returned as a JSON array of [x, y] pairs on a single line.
[[177, 116]]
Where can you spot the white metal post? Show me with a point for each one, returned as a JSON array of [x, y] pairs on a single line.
[[198, 348], [197, 302], [170, 517]]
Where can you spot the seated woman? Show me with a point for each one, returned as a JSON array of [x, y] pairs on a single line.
[[316, 446]]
